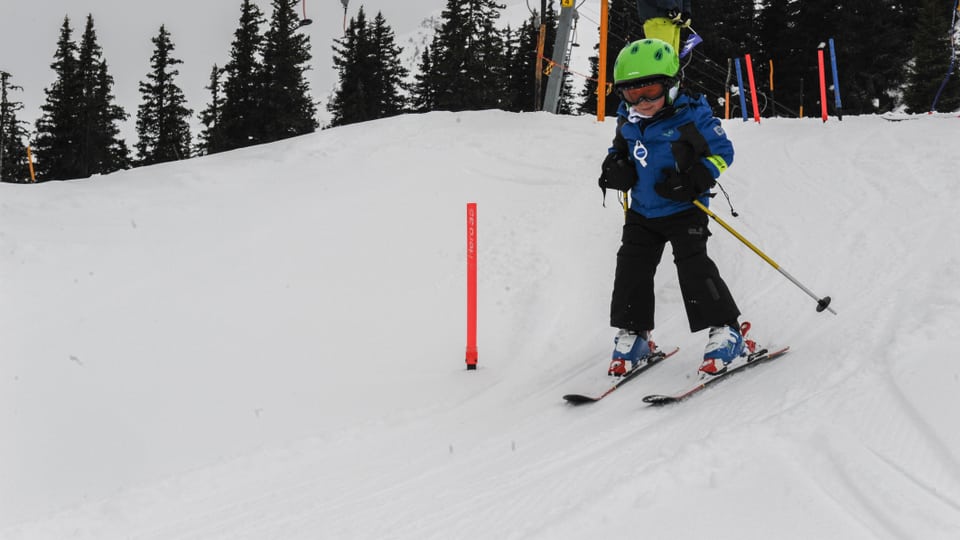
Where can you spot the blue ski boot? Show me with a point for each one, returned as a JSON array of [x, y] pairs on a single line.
[[725, 345], [629, 348]]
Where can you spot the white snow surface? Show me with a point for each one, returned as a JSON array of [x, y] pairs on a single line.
[[269, 343]]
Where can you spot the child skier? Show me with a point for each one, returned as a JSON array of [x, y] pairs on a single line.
[[668, 150]]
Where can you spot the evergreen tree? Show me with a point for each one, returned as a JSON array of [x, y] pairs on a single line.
[[162, 127], [372, 79], [728, 31], [588, 95], [13, 151], [567, 103], [241, 115], [522, 66], [78, 134], [354, 64], [58, 129], [931, 50], [774, 25], [872, 47], [468, 64], [390, 91], [117, 154], [285, 99], [728, 28], [780, 42], [424, 91], [511, 51], [211, 138], [491, 64], [101, 149], [815, 23]]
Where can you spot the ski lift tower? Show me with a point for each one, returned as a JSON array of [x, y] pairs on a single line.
[[568, 13]]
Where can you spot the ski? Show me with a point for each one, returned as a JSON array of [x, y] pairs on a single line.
[[652, 360], [753, 360]]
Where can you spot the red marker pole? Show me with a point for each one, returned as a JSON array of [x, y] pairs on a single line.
[[472, 286], [823, 85], [753, 88]]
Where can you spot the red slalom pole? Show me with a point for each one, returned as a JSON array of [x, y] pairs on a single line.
[[472, 286], [753, 88], [823, 85]]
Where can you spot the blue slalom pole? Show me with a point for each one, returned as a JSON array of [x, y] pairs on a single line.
[[836, 81], [743, 98]]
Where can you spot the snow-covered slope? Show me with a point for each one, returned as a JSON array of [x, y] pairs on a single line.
[[269, 343]]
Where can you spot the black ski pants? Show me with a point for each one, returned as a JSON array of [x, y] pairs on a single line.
[[705, 296]]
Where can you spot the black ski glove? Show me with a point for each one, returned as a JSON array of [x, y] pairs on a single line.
[[686, 185], [680, 19], [617, 172]]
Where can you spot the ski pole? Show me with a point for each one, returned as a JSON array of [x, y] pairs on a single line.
[[822, 303]]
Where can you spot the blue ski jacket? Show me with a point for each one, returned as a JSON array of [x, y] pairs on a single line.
[[672, 139]]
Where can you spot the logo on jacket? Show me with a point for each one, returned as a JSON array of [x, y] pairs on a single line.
[[640, 153]]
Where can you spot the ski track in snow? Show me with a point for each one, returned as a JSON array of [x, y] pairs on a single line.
[[268, 343]]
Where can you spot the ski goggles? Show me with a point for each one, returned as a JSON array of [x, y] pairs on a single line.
[[650, 91]]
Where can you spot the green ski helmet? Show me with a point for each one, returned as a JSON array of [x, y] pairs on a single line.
[[645, 62]]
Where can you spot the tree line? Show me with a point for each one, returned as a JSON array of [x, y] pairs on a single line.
[[259, 96], [890, 53], [470, 64]]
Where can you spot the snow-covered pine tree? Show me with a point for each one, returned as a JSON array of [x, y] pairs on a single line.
[[162, 119]]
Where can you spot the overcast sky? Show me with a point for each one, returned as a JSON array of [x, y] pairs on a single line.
[[202, 31]]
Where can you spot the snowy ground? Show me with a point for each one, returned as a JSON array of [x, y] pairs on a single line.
[[269, 343]]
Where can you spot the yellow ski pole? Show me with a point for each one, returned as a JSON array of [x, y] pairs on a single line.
[[822, 303]]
